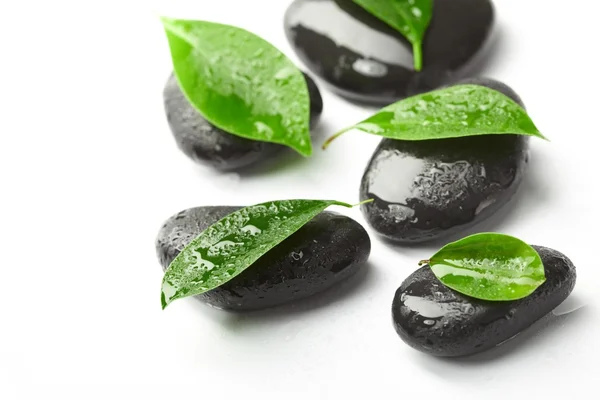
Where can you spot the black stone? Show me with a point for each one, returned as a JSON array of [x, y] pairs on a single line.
[[364, 59], [437, 320], [207, 144], [426, 190], [325, 251]]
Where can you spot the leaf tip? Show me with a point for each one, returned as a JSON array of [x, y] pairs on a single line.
[[163, 301], [167, 294], [166, 20], [543, 137], [305, 151]]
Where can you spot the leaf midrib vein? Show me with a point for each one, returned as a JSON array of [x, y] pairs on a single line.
[[407, 20]]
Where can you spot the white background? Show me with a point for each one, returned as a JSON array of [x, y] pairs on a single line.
[[89, 171]]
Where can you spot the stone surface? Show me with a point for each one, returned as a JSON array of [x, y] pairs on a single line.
[[207, 144], [364, 59], [437, 320], [325, 251], [426, 190]]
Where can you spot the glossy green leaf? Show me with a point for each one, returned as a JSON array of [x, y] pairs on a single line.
[[456, 111], [240, 82], [489, 266], [232, 244], [409, 17]]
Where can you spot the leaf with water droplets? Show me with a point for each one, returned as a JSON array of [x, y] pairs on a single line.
[[409, 17], [489, 266], [456, 111], [226, 248], [240, 83]]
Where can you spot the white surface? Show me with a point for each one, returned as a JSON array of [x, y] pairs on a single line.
[[89, 171]]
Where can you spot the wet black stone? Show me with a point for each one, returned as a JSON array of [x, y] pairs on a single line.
[[426, 190], [325, 251], [364, 59], [437, 320], [207, 144]]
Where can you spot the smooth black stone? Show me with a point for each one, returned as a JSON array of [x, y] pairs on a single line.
[[437, 320], [209, 145], [325, 251], [364, 59], [426, 190]]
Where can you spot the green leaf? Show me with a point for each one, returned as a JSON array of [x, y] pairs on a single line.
[[240, 82], [489, 266], [228, 247], [409, 17], [456, 111]]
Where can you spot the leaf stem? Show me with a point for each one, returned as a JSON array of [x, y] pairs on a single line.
[[423, 262], [332, 138], [364, 202], [418, 55]]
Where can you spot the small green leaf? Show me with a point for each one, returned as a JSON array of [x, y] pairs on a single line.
[[228, 247], [409, 17], [489, 266], [240, 82], [456, 111]]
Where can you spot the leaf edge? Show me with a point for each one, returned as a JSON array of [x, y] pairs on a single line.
[[165, 302], [388, 108], [428, 263], [304, 151]]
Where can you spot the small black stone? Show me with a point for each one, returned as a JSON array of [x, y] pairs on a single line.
[[325, 251], [364, 59], [425, 190], [207, 144], [437, 320]]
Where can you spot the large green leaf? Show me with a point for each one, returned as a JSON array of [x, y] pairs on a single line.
[[240, 82], [489, 266], [232, 244], [456, 111], [409, 17]]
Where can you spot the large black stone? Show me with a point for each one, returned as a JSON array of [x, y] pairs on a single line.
[[425, 190], [364, 59], [325, 251], [207, 144], [437, 320]]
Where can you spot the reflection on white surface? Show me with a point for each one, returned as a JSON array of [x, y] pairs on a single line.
[[571, 304]]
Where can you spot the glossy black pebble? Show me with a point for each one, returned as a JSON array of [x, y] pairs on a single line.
[[425, 190], [207, 144], [325, 251], [436, 320], [364, 59]]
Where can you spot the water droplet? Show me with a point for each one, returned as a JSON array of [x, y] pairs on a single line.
[[251, 229], [263, 129], [168, 290], [283, 75], [221, 248], [468, 309]]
